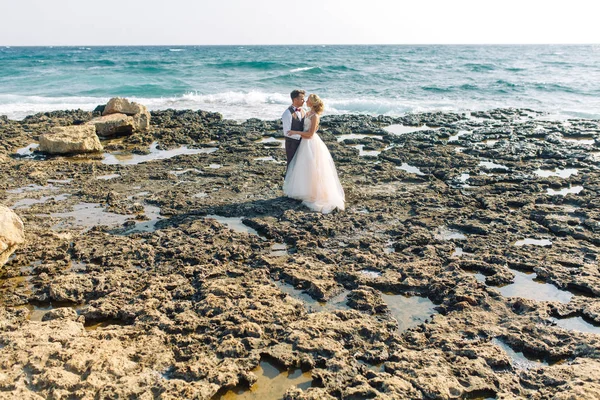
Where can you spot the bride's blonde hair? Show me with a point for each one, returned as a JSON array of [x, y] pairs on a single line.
[[317, 103]]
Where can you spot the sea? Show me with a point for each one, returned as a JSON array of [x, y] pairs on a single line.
[[243, 82]]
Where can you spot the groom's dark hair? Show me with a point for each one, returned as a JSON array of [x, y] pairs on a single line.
[[296, 93]]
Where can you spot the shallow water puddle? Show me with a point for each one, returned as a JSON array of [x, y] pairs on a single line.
[[108, 177], [369, 273], [155, 154], [409, 311], [338, 302], [28, 150], [269, 158], [279, 250], [492, 165], [443, 233], [88, 215], [185, 171], [357, 136], [389, 247], [580, 139], [363, 153], [31, 188], [235, 224], [404, 129], [561, 173], [153, 213], [273, 140], [526, 286], [533, 242], [409, 168], [565, 191], [519, 360], [26, 203], [272, 383], [577, 324], [454, 138], [37, 312]]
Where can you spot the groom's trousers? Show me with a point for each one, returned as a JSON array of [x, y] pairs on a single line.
[[291, 145]]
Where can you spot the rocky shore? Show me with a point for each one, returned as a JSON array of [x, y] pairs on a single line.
[[170, 266]]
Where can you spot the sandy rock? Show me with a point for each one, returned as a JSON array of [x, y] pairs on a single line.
[[139, 112], [70, 140], [141, 121], [113, 124], [119, 105], [11, 231]]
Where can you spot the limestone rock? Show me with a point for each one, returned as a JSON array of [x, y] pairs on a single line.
[[119, 105], [70, 140], [11, 229], [141, 121], [113, 124]]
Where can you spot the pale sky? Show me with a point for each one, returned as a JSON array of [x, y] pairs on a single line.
[[187, 22]]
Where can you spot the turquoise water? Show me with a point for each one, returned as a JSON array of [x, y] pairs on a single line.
[[254, 81]]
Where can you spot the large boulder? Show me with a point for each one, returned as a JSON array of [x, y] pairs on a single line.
[[139, 112], [119, 105], [113, 125], [75, 139], [11, 232]]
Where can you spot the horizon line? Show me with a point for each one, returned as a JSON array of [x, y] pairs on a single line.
[[300, 45]]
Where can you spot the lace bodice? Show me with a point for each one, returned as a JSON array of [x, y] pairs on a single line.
[[307, 123]]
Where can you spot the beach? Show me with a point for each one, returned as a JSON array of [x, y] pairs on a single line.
[[466, 263]]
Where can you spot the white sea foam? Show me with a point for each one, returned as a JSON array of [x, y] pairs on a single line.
[[302, 69], [239, 105]]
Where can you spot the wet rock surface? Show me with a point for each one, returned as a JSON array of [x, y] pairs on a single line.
[[159, 277]]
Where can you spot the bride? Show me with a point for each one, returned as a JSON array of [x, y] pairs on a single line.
[[311, 175]]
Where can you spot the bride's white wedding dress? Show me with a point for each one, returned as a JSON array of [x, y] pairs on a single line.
[[312, 177]]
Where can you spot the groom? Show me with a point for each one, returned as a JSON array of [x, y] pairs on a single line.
[[293, 120]]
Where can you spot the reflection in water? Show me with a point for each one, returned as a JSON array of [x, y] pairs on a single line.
[[409, 168], [577, 324], [454, 138], [27, 151], [565, 191], [561, 173], [444, 234], [337, 302], [492, 165], [409, 311], [26, 203], [272, 383], [534, 242], [273, 140], [343, 137], [404, 129], [363, 153], [526, 286], [88, 215], [279, 250], [108, 177], [155, 154], [235, 224], [519, 360]]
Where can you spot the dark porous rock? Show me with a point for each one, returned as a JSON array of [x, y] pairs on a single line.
[[181, 275]]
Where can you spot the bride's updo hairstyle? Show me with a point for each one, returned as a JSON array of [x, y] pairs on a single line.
[[317, 104]]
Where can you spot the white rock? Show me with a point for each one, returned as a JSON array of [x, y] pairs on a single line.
[[11, 232], [70, 140], [119, 105]]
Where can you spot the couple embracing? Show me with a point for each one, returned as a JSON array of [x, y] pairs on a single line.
[[311, 175]]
